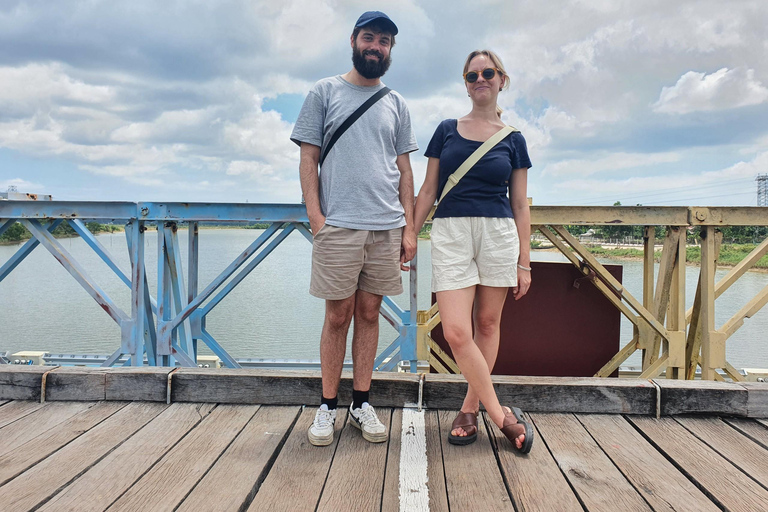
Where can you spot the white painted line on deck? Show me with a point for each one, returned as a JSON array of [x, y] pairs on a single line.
[[414, 493]]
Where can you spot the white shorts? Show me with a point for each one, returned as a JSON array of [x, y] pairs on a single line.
[[467, 251]]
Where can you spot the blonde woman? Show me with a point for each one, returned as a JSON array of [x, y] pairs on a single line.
[[476, 251]]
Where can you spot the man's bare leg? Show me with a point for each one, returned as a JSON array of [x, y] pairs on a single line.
[[365, 339], [333, 342]]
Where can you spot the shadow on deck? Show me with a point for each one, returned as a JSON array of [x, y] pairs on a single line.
[[113, 453]]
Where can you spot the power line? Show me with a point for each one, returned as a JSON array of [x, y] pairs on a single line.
[[689, 199]]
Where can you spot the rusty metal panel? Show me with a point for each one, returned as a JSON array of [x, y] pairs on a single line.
[[563, 327]]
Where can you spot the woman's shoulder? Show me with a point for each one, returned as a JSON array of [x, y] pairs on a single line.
[[446, 126]]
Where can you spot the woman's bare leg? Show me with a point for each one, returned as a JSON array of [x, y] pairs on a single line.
[[455, 314], [489, 303]]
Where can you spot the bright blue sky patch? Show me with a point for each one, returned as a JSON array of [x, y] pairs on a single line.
[[288, 105]]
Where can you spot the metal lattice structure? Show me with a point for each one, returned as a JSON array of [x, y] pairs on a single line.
[[167, 328], [762, 189]]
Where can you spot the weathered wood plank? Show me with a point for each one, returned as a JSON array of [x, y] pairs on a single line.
[[148, 383], [438, 498], [534, 480], [757, 399], [298, 475], [281, 387], [115, 473], [472, 479], [732, 489], [21, 382], [26, 455], [550, 394], [732, 445], [234, 479], [76, 383], [12, 411], [356, 478], [39, 483], [702, 397], [175, 475], [38, 422], [654, 477], [752, 429], [598, 483]]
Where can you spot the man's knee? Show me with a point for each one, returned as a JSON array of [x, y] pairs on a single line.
[[338, 313], [367, 308]]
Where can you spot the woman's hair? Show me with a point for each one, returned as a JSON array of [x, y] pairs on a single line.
[[496, 63]]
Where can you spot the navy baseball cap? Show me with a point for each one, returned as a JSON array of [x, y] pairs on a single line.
[[370, 16]]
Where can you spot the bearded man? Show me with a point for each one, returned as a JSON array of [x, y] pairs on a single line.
[[360, 210]]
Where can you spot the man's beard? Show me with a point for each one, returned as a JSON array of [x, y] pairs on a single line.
[[370, 68]]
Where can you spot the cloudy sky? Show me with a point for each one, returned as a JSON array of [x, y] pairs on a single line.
[[638, 101]]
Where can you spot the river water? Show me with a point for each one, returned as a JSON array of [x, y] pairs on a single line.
[[270, 314]]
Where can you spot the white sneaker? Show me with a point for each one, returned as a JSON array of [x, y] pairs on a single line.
[[366, 420], [320, 433]]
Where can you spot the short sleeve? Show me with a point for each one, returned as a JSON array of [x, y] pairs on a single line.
[[406, 140], [435, 147], [520, 158], [309, 124]]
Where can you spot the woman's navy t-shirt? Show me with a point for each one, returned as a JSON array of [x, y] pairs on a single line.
[[482, 192]]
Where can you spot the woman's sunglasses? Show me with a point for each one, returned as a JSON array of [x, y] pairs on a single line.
[[488, 74]]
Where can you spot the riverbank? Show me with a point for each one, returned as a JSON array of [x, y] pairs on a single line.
[[17, 233]]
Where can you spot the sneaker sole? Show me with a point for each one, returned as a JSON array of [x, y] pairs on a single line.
[[371, 438], [319, 440]]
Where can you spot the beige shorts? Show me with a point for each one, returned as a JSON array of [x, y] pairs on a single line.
[[345, 260], [468, 251]]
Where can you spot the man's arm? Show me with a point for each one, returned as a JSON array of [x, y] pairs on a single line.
[[310, 187], [408, 244]]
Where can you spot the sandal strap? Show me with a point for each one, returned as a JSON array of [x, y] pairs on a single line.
[[511, 428], [466, 421]]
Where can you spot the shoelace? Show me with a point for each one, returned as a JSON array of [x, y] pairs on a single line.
[[323, 419], [369, 418]]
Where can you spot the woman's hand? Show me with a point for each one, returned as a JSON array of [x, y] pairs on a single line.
[[523, 284]]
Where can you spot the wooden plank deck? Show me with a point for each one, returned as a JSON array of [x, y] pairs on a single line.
[[120, 456]]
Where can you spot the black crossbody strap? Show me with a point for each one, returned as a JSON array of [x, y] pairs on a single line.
[[352, 118]]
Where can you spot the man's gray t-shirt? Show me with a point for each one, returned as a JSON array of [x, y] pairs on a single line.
[[359, 179]]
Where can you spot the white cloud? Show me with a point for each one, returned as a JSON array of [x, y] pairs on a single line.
[[723, 89], [254, 170], [170, 96], [758, 165], [612, 162], [21, 184], [38, 86]]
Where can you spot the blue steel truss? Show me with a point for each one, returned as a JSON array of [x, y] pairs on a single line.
[[165, 331]]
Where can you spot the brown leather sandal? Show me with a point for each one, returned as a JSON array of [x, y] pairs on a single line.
[[514, 425], [468, 422]]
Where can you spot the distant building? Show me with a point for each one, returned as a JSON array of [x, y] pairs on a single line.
[[14, 195]]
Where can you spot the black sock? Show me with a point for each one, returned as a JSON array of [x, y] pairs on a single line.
[[330, 402], [358, 397]]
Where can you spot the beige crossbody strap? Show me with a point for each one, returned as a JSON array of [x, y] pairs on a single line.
[[454, 178]]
